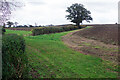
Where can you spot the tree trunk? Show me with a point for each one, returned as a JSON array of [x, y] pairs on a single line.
[[78, 24]]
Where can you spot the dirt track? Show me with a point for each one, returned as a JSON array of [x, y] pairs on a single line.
[[92, 47]]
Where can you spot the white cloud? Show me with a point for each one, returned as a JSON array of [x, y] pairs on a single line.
[[46, 12]]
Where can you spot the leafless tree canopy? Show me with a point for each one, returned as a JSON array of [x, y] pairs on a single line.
[[6, 8]]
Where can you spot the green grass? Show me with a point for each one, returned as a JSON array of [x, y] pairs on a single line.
[[18, 32], [49, 57], [96, 47], [88, 27], [87, 44]]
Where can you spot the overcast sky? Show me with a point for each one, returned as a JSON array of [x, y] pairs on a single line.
[[46, 12]]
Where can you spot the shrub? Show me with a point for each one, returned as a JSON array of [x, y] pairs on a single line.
[[14, 59], [3, 30], [83, 26], [37, 31], [65, 28], [47, 30], [76, 27]]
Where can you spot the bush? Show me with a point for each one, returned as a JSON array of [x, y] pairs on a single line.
[[47, 30], [3, 30], [14, 60], [83, 26]]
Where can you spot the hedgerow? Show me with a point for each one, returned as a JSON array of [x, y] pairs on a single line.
[[3, 30], [48, 30], [14, 59]]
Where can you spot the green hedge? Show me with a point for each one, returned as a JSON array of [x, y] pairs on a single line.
[[48, 30], [14, 59], [3, 30]]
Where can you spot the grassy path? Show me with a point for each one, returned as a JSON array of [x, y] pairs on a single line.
[[49, 58]]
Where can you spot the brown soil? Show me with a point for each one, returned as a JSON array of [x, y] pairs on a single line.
[[89, 46], [105, 33]]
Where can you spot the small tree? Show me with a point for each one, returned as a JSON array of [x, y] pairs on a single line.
[[10, 23], [77, 13], [25, 26], [31, 26], [15, 24]]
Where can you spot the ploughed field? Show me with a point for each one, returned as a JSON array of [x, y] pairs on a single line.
[[49, 57], [104, 33]]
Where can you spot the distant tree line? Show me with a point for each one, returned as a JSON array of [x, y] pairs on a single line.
[[15, 24], [28, 26]]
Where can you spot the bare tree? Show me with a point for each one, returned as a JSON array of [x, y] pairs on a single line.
[[6, 8]]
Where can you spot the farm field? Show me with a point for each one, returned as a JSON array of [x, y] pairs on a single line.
[[99, 40], [104, 33], [50, 57]]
